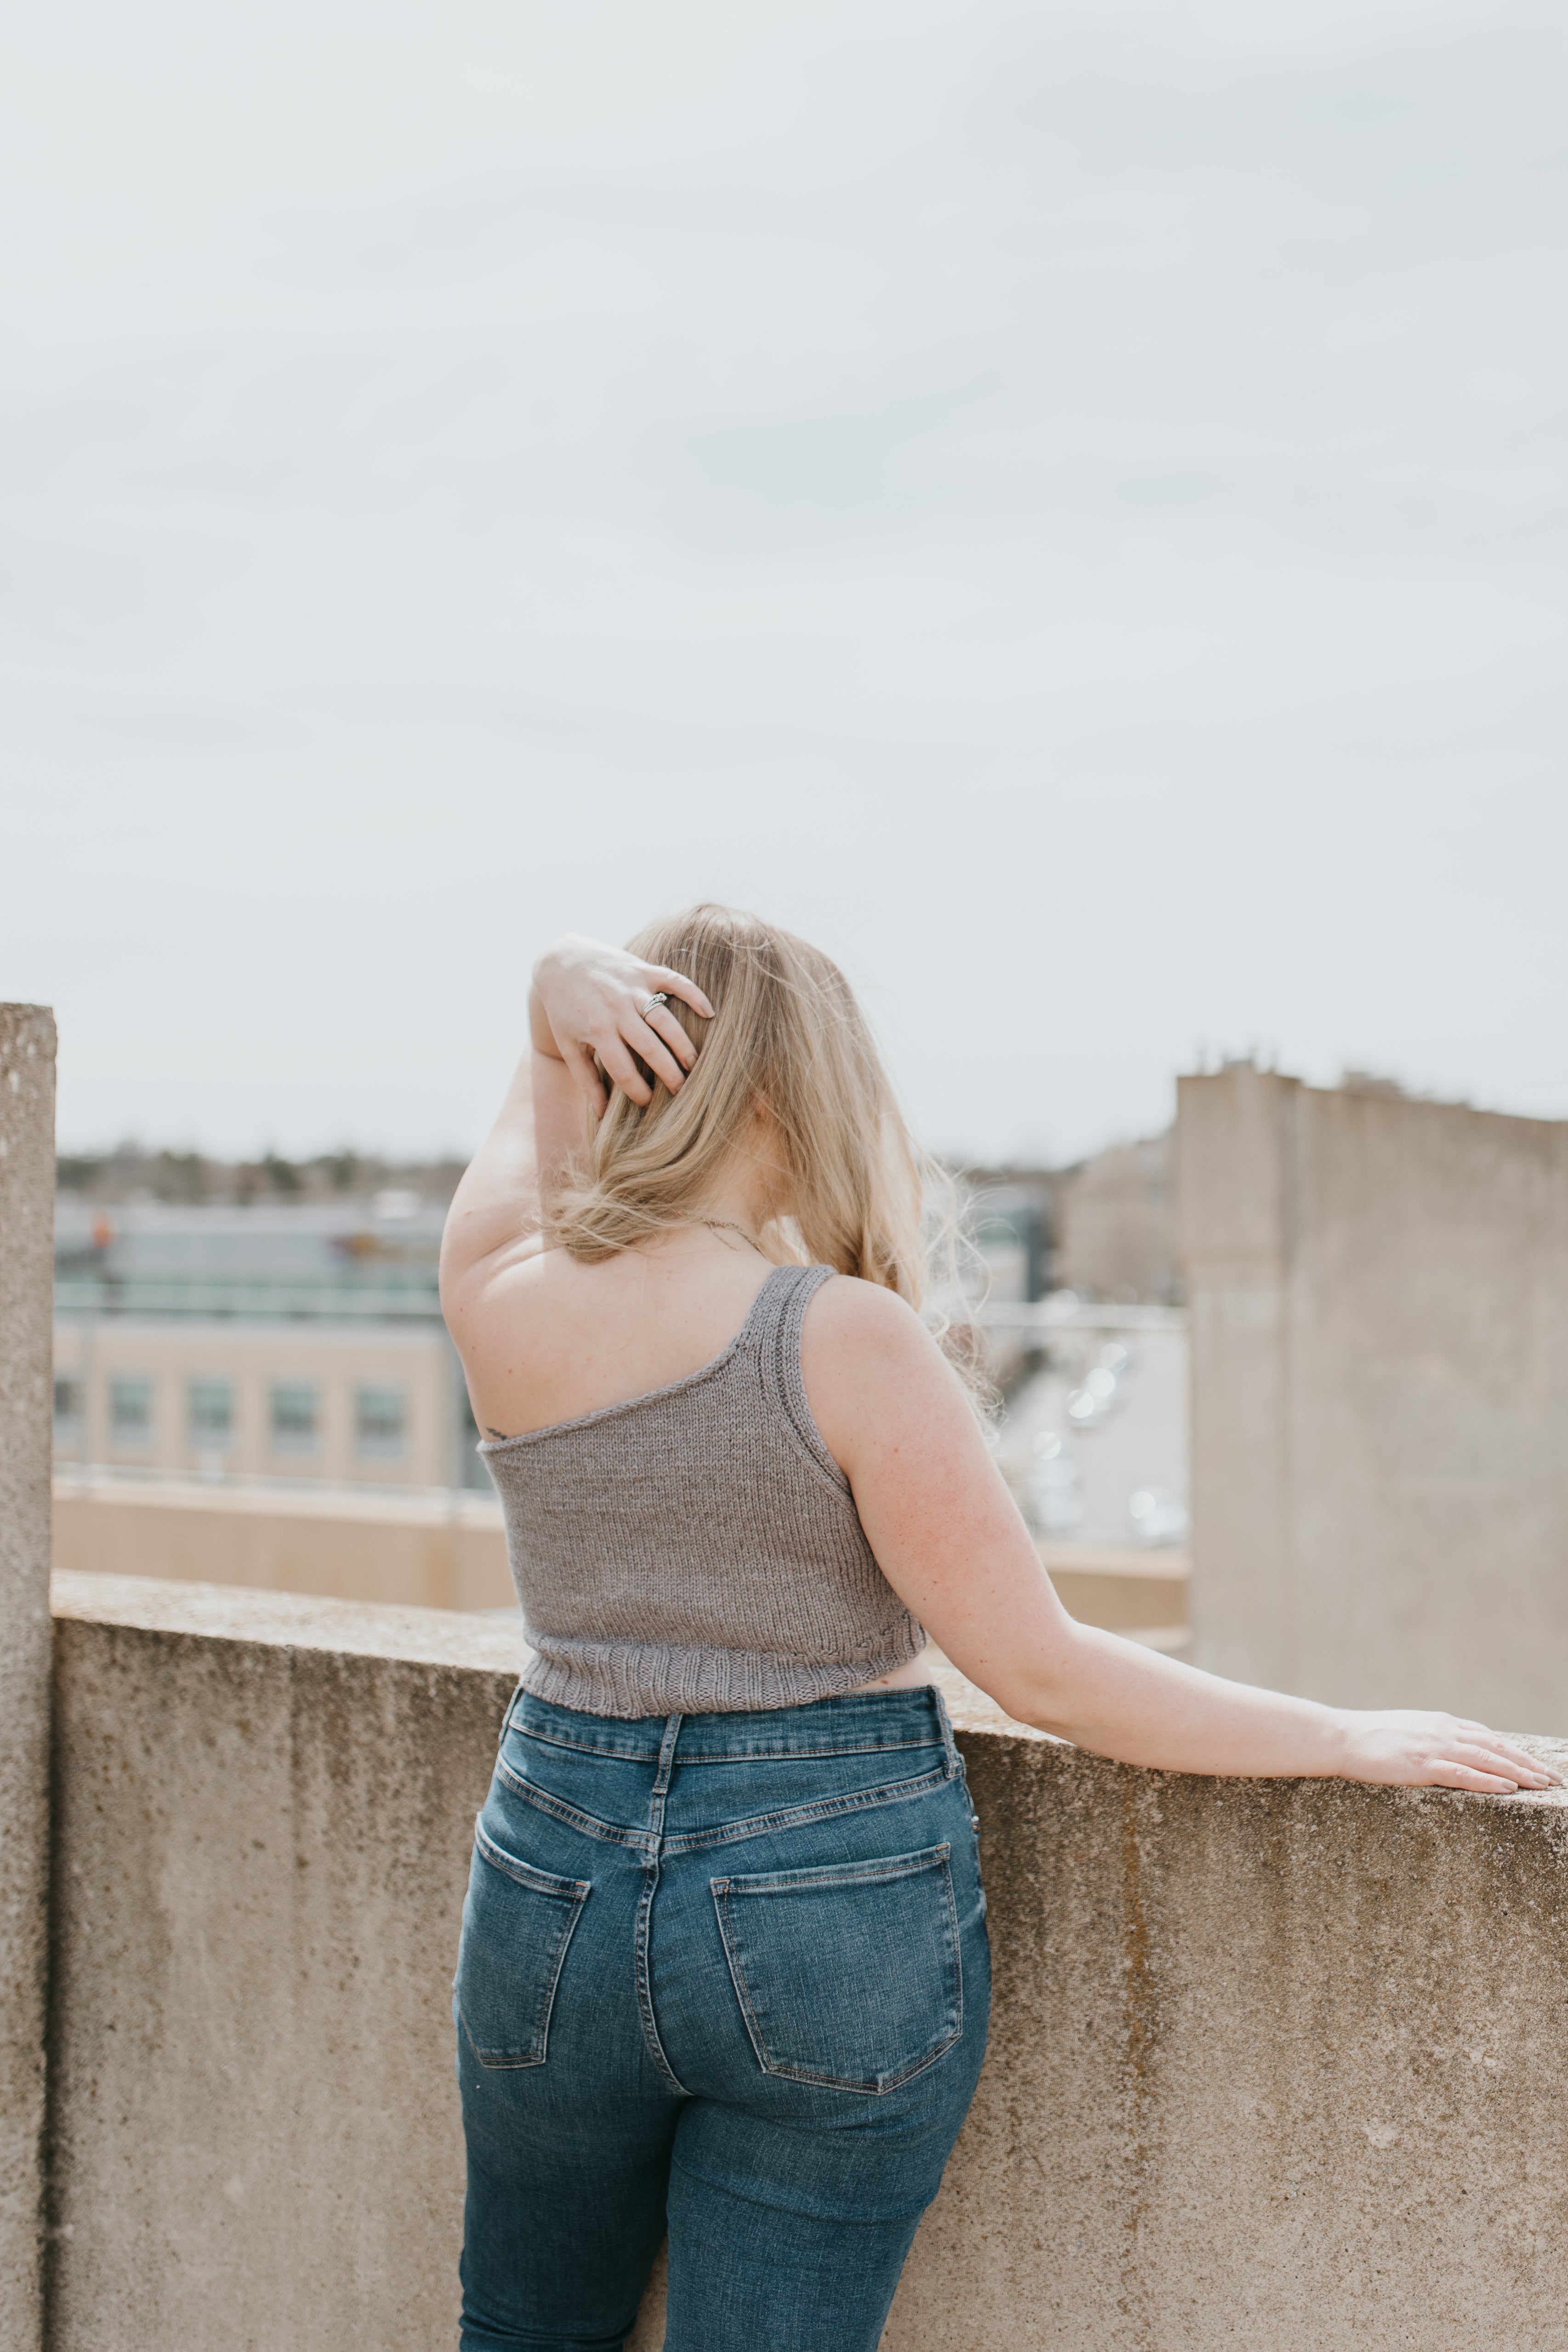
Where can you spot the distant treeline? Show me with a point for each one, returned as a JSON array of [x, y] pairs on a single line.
[[133, 1172]]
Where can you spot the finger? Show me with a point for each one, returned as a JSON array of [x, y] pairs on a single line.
[[675, 984], [684, 1047], [1522, 1757], [623, 1072], [1493, 1755], [1447, 1773], [1478, 1743], [650, 1045]]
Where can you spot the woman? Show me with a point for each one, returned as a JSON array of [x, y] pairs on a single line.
[[723, 1967]]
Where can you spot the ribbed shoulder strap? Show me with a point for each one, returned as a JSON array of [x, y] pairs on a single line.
[[774, 1328]]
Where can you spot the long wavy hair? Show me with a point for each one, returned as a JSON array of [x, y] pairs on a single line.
[[854, 1192]]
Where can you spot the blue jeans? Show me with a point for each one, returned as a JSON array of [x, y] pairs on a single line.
[[725, 1975]]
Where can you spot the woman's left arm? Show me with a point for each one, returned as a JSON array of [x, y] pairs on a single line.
[[951, 1542]]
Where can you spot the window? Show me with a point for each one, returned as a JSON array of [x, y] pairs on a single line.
[[211, 1414], [294, 1417], [130, 1411], [68, 1406], [380, 1421]]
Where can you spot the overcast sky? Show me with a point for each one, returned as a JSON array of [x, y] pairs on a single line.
[[1064, 504]]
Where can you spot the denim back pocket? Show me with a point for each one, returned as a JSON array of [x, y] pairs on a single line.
[[847, 1974], [517, 1924]]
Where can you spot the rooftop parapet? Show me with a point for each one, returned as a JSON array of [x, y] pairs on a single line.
[[1272, 2062]]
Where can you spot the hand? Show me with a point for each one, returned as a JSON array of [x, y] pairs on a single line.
[[589, 999], [1403, 1750]]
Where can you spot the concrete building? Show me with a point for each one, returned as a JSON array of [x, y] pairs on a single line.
[[1115, 1225], [1379, 1316], [300, 1341]]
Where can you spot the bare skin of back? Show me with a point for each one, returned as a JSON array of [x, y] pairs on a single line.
[[544, 1338]]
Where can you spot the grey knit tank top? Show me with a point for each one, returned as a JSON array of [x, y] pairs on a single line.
[[698, 1548]]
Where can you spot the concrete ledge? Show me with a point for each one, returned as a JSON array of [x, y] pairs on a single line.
[[438, 1550], [423, 1550], [1273, 2063]]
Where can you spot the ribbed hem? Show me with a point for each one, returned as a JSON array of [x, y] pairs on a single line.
[[631, 1679]]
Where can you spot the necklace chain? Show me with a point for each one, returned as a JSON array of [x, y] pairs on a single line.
[[726, 1225]]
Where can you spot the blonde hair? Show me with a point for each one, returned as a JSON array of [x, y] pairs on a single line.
[[856, 1191]]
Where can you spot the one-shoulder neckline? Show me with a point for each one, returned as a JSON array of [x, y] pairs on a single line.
[[668, 1388]]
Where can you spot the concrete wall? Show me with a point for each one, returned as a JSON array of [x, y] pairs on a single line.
[[1379, 1308], [26, 1255], [1273, 2064]]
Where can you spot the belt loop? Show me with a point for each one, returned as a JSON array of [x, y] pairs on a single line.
[[666, 1755], [512, 1705], [954, 1760]]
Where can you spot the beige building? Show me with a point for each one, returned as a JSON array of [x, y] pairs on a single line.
[[378, 1404], [1115, 1235]]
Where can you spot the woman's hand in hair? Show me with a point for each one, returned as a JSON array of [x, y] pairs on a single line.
[[588, 999]]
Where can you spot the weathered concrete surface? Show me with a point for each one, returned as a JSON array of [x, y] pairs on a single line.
[[265, 1811], [1379, 1312], [27, 1273], [1273, 2064]]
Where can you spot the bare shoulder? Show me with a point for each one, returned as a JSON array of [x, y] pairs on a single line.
[[512, 1301], [869, 1364], [851, 1319]]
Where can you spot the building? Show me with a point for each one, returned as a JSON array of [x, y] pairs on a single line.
[[300, 1341]]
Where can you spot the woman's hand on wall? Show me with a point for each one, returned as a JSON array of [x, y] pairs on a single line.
[[1407, 1749]]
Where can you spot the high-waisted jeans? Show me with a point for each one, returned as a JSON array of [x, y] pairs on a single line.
[[725, 1975]]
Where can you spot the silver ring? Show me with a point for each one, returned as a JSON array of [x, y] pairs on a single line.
[[659, 996]]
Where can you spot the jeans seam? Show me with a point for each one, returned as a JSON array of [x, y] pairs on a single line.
[[827, 1809], [726, 1755], [645, 1988], [522, 1873], [547, 1998], [839, 1873], [869, 2090], [644, 1939], [589, 1823], [753, 2029]]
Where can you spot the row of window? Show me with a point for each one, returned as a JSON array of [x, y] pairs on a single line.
[[294, 1413]]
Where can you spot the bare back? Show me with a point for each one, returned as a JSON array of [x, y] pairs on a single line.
[[553, 1338]]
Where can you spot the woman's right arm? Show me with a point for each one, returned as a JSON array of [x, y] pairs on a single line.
[[950, 1540], [585, 1000]]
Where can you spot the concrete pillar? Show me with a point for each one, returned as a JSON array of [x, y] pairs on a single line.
[[1235, 1217], [1378, 1288], [26, 1288]]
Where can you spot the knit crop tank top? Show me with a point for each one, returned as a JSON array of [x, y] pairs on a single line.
[[698, 1548]]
